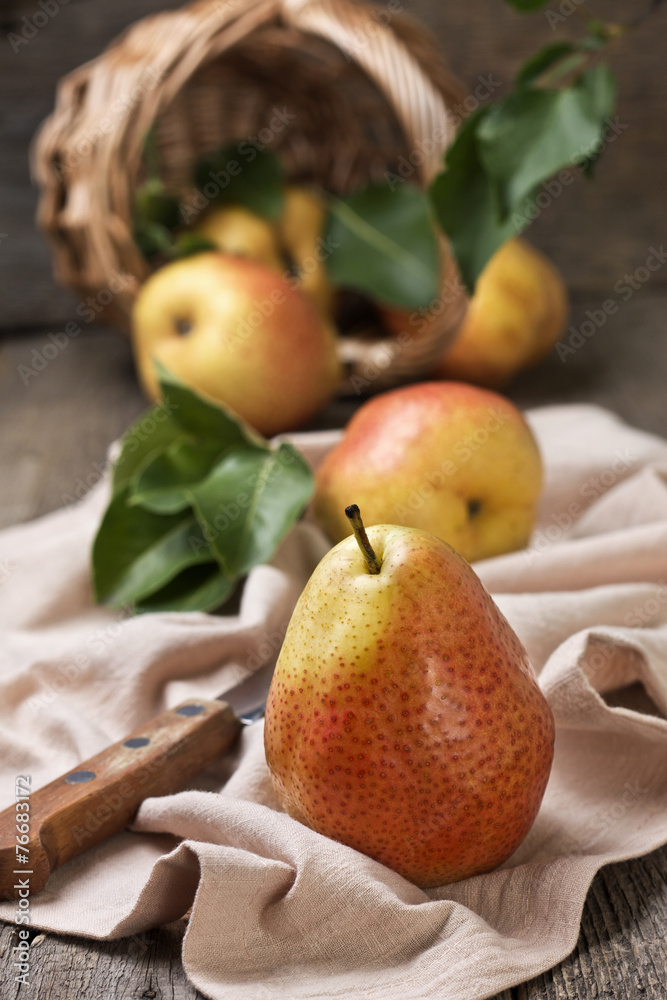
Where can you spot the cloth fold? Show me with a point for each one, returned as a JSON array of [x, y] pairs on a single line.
[[278, 910]]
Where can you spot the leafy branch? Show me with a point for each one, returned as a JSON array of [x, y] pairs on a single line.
[[553, 118], [198, 499]]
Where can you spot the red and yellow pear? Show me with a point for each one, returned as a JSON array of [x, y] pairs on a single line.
[[404, 718], [445, 457], [237, 331]]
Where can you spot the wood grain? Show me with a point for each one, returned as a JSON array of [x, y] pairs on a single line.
[[101, 795]]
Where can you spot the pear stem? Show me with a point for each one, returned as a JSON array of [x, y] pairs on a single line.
[[354, 516]]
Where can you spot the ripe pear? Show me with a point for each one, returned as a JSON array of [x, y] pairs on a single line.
[[404, 718], [236, 230], [238, 332], [518, 312], [442, 456], [300, 228]]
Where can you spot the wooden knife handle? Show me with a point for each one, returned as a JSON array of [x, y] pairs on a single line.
[[86, 806]]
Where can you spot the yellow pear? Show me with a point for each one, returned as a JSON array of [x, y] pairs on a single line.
[[236, 330], [300, 229], [236, 230], [516, 315]]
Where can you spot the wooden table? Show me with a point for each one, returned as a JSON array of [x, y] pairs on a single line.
[[54, 432]]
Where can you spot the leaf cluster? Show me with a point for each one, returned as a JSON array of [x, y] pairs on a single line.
[[198, 499], [504, 152], [159, 219]]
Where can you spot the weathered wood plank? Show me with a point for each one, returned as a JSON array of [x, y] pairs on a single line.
[[143, 966], [58, 422]]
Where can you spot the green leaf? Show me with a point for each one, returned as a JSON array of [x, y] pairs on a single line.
[[199, 499], [542, 61], [525, 139], [465, 206], [152, 238], [566, 67], [161, 484], [136, 552], [243, 175], [598, 87], [385, 245], [526, 6], [156, 215], [202, 418], [602, 97], [153, 203], [188, 244], [198, 588], [150, 434], [249, 502]]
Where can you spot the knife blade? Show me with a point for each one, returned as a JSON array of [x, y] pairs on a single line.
[[89, 803]]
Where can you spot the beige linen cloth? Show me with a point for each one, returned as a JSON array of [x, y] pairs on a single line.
[[277, 910]]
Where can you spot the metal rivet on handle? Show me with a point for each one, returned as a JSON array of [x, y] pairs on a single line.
[[190, 710], [78, 777], [137, 741]]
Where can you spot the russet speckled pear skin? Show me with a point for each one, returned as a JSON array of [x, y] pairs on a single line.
[[404, 718]]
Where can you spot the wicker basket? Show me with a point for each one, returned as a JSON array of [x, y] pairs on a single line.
[[342, 91]]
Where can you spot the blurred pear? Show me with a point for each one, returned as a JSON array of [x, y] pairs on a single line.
[[301, 230], [238, 231], [518, 312]]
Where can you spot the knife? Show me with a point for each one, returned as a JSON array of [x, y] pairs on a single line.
[[100, 797]]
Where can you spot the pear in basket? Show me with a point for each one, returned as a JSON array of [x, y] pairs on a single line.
[[237, 331], [293, 245], [516, 315]]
